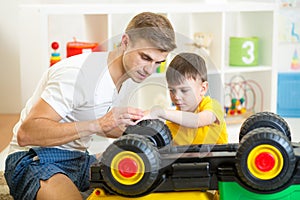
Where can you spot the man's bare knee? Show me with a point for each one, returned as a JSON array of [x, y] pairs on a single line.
[[59, 186]]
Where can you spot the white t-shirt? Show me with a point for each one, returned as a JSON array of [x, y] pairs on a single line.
[[78, 88]]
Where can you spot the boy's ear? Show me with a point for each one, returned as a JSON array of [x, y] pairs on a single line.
[[204, 87]]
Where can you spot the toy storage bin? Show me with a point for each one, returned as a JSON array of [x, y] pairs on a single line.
[[288, 95], [243, 51]]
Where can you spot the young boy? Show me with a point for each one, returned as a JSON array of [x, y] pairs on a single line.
[[198, 119]]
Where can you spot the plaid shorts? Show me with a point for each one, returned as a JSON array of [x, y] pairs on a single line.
[[25, 169]]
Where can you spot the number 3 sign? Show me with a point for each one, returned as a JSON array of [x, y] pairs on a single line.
[[243, 51]]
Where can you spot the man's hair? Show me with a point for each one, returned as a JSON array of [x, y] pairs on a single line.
[[154, 28], [186, 66]]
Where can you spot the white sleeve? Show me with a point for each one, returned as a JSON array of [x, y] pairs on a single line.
[[59, 89]]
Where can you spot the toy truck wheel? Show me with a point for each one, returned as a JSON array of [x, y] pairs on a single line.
[[130, 166], [155, 130], [265, 119], [265, 159]]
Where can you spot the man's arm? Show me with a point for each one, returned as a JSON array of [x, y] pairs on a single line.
[[42, 127]]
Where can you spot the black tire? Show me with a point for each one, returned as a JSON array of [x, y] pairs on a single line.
[[265, 119], [154, 129], [264, 174], [143, 180]]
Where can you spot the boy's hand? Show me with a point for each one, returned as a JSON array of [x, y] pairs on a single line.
[[156, 112]]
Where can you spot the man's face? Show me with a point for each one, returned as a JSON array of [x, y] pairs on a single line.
[[141, 59]]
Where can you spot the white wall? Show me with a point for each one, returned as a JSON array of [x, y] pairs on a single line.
[[10, 95]]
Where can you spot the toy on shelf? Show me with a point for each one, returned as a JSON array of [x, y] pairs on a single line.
[[295, 61], [75, 47], [203, 41], [241, 98], [294, 34], [201, 44], [55, 55], [288, 3], [237, 107], [161, 68]]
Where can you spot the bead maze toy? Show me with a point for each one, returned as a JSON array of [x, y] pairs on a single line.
[[143, 164], [241, 97]]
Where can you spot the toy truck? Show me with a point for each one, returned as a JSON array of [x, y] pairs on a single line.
[[143, 162]]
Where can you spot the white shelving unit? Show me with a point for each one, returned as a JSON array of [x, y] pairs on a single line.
[[105, 21]]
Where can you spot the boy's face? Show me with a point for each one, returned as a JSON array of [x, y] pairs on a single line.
[[187, 95], [141, 59]]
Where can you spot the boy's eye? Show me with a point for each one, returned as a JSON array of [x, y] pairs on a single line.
[[184, 91], [171, 91]]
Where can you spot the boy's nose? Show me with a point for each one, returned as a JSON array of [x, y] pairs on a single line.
[[177, 96]]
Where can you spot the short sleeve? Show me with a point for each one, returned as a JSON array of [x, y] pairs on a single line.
[[59, 89], [213, 106]]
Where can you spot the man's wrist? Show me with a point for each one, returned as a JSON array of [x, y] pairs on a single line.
[[87, 128]]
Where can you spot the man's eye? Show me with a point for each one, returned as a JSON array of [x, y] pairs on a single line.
[[146, 58]]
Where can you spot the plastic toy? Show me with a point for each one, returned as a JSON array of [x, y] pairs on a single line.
[[161, 68], [241, 96], [75, 47], [295, 35], [143, 163], [55, 56], [295, 61]]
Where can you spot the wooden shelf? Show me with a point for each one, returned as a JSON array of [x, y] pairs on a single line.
[[237, 119]]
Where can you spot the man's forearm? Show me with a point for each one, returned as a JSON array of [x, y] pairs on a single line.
[[45, 132]]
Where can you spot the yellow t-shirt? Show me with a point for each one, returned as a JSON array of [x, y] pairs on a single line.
[[212, 134]]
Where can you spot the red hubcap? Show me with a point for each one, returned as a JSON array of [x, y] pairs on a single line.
[[127, 167], [97, 192], [265, 162]]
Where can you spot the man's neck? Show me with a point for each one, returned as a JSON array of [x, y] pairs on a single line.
[[116, 68]]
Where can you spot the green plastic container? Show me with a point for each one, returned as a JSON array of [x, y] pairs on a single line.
[[233, 191], [243, 51]]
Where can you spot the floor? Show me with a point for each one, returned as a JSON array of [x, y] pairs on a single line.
[[7, 121]]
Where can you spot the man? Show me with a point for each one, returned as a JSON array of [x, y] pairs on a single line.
[[48, 154]]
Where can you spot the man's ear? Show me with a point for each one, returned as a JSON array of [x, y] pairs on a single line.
[[125, 40]]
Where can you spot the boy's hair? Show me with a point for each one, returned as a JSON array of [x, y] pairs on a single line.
[[185, 66], [154, 28]]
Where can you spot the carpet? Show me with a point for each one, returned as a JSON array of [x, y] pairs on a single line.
[[4, 191]]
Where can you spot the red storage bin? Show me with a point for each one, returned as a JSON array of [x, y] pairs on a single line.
[[74, 48]]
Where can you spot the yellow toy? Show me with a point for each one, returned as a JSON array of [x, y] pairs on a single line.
[[99, 194]]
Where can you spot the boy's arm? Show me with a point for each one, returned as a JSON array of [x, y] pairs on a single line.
[[187, 119]]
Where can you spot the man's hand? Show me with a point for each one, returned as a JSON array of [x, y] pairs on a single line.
[[118, 118]]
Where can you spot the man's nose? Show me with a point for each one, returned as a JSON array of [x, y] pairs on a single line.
[[151, 67]]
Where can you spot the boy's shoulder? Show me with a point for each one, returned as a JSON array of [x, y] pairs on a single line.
[[209, 102]]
